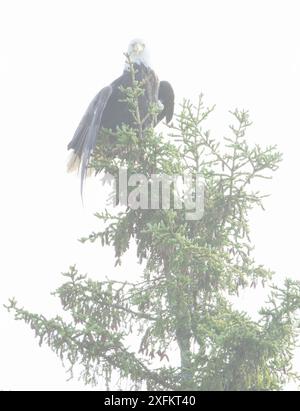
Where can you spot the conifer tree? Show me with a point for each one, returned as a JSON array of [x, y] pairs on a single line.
[[181, 304]]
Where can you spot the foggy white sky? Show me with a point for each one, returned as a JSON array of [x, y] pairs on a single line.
[[54, 57]]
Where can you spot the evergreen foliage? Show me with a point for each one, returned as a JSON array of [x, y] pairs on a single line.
[[192, 268]]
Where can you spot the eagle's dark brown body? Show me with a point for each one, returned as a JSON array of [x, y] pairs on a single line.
[[109, 109], [117, 112]]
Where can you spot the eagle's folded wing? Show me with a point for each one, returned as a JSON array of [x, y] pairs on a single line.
[[87, 132]]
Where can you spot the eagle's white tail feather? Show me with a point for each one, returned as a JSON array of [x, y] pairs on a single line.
[[74, 165]]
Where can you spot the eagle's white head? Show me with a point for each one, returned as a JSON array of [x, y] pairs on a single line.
[[138, 53]]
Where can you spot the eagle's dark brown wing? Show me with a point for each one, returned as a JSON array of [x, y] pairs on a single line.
[[87, 132], [166, 97]]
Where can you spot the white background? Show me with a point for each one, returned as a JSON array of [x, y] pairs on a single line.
[[54, 57]]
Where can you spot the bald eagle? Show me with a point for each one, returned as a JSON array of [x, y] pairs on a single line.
[[109, 110]]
